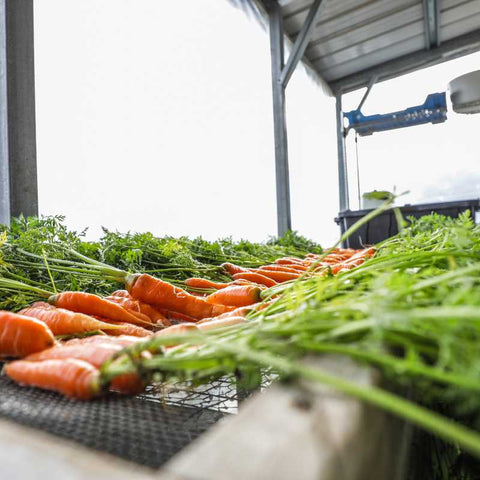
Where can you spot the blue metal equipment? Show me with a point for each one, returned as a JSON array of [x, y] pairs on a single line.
[[434, 110]]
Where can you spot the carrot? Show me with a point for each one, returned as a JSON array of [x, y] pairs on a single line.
[[94, 305], [162, 294], [122, 340], [177, 317], [278, 276], [237, 296], [121, 293], [143, 307], [204, 283], [233, 269], [279, 268], [215, 323], [21, 335], [127, 329], [255, 277], [73, 378], [290, 264], [238, 312], [95, 353], [181, 329], [289, 261], [132, 306], [131, 330], [65, 322]]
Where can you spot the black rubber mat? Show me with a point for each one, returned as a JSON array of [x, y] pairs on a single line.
[[142, 430]]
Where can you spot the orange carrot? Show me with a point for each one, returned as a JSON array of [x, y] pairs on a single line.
[[177, 317], [121, 293], [162, 294], [132, 306], [279, 268], [233, 269], [255, 277], [289, 261], [65, 322], [73, 378], [144, 308], [238, 312], [204, 283], [95, 353], [21, 335], [127, 329], [180, 329], [278, 276], [299, 265], [94, 305], [122, 340], [215, 323], [237, 296]]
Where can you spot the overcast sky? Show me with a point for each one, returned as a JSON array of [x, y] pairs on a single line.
[[157, 116]]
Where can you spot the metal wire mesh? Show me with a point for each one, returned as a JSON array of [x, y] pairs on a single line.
[[147, 429]]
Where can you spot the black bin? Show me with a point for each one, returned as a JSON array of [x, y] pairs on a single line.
[[385, 225]]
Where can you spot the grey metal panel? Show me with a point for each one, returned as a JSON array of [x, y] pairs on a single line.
[[368, 24], [369, 38], [333, 9], [376, 57], [459, 20], [448, 50], [453, 30]]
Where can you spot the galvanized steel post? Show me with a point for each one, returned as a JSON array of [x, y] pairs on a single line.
[[279, 121], [342, 160], [18, 159]]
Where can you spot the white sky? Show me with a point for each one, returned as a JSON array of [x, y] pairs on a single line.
[[157, 116]]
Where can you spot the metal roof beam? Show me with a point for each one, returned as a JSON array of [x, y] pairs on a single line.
[[301, 42], [454, 48], [431, 15]]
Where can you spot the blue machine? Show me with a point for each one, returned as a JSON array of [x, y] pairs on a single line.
[[434, 110]]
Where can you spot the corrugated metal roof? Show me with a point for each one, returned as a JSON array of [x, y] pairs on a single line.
[[354, 40]]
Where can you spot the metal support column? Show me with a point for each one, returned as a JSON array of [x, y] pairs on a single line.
[[342, 159], [279, 121], [18, 160]]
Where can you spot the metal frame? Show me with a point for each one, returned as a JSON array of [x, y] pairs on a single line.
[[18, 159], [281, 75]]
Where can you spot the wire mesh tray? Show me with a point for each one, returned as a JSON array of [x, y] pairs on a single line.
[[147, 429], [144, 429]]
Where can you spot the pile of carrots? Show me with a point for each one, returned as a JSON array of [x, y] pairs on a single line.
[[148, 306]]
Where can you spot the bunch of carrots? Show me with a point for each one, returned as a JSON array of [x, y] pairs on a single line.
[[147, 307]]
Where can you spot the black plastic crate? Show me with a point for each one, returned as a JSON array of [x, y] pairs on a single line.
[[385, 225]]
